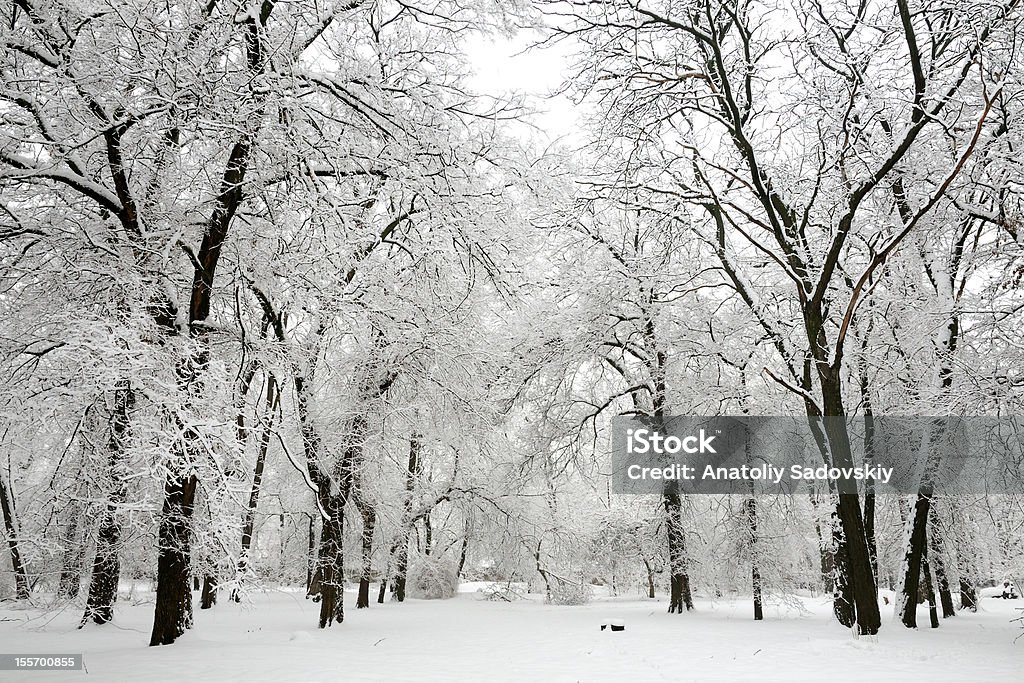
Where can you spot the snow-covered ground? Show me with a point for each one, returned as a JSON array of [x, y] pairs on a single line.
[[274, 638]]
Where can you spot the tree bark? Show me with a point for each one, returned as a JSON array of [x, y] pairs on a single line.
[[271, 405], [21, 585], [173, 614], [106, 568], [400, 549], [369, 517], [311, 556], [463, 551], [755, 571], [912, 561], [650, 578], [679, 580], [855, 569], [331, 567], [937, 553], [968, 595], [933, 612], [208, 597], [72, 557], [401, 571]]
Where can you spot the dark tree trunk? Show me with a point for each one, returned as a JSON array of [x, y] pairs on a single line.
[[20, 576], [328, 574], [936, 553], [650, 578], [912, 561], [72, 557], [331, 569], [854, 575], [428, 534], [869, 494], [369, 517], [311, 556], [249, 522], [463, 551], [401, 571], [400, 551], [367, 514], [843, 605], [679, 581], [869, 454], [826, 552], [834, 555], [106, 568], [209, 595], [933, 612], [332, 537], [750, 509], [869, 525], [855, 561], [173, 613], [968, 595], [383, 590], [755, 572], [945, 594]]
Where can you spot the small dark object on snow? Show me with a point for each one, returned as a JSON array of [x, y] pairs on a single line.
[[615, 624]]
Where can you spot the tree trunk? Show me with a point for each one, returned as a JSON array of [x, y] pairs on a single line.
[[173, 614], [72, 557], [331, 569], [937, 555], [209, 595], [106, 568], [463, 551], [843, 605], [401, 548], [249, 522], [968, 595], [869, 497], [755, 572], [912, 561], [20, 577], [826, 553], [369, 517], [679, 580], [401, 570], [855, 570], [311, 556], [650, 578], [869, 455], [428, 534], [933, 612]]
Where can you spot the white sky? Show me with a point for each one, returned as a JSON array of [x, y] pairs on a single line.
[[505, 66]]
